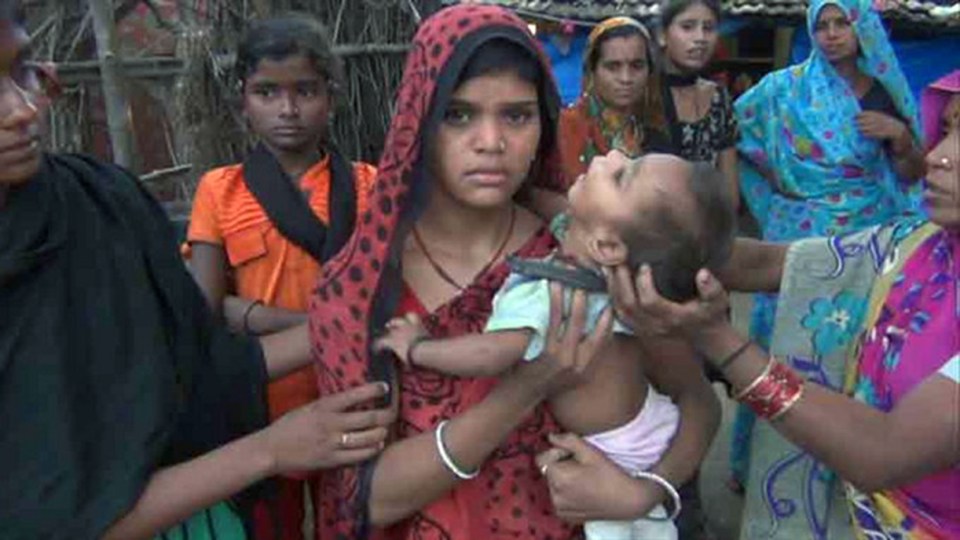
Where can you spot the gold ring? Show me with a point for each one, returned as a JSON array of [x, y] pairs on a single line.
[[344, 439]]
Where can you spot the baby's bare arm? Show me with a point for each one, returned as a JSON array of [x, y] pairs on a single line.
[[472, 355]]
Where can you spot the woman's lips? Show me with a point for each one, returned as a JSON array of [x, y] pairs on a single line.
[[487, 178]]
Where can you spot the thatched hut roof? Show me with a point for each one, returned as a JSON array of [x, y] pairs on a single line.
[[928, 14]]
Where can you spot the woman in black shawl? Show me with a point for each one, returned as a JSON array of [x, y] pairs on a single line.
[[124, 407]]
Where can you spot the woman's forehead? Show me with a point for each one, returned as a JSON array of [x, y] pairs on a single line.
[[831, 12]]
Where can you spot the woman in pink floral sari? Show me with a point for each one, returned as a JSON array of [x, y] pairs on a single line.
[[873, 319]]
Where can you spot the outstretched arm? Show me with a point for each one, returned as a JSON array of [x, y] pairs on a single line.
[[851, 437], [308, 438], [410, 473], [872, 449], [754, 266], [471, 355]]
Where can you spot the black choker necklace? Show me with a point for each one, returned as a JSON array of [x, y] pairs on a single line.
[[675, 79]]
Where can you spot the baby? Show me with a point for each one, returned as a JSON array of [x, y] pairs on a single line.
[[657, 210]]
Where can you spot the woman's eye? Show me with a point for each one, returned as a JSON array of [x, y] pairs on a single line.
[[519, 117], [265, 91], [310, 90], [457, 117]]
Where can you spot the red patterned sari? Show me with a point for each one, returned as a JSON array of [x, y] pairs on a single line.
[[361, 289]]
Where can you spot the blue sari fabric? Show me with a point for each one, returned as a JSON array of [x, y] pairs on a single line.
[[805, 169]]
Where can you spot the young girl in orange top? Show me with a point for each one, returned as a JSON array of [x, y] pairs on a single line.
[[261, 229]]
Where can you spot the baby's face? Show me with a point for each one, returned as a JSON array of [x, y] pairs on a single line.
[[608, 195], [617, 192]]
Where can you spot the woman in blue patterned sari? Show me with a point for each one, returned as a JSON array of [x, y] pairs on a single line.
[[828, 146]]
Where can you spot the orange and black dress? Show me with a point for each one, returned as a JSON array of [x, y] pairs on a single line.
[[276, 233]]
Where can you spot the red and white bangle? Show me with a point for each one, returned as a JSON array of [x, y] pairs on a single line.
[[774, 392]]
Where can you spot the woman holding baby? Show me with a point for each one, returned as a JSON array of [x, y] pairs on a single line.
[[473, 133]]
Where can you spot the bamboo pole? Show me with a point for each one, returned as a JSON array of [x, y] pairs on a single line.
[[111, 72]]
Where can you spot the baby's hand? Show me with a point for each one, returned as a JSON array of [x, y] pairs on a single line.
[[402, 334]]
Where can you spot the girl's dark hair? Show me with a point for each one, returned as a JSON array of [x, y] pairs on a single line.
[[669, 9], [499, 55], [287, 35]]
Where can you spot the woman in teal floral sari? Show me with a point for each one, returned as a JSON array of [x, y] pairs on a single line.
[[828, 146], [863, 382]]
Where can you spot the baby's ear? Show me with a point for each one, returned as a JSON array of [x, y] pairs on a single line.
[[607, 249]]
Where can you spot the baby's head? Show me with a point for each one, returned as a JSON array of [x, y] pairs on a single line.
[[660, 210]]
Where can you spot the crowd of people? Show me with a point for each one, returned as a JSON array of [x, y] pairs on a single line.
[[508, 326]]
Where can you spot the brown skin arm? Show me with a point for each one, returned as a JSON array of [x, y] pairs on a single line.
[[474, 434], [208, 263], [867, 447], [260, 319], [852, 438], [305, 439], [674, 370], [908, 157], [473, 355], [470, 355], [754, 266], [287, 351], [585, 485]]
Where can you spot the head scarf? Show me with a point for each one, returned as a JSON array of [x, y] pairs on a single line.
[[934, 100], [798, 123], [649, 109], [602, 28], [359, 288], [591, 128]]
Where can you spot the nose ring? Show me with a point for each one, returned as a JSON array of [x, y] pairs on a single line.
[[945, 162], [502, 145]]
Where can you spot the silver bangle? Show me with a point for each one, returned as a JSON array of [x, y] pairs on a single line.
[[660, 481], [445, 457]]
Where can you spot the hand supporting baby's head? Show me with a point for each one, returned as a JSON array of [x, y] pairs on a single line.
[[690, 228], [658, 210]]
